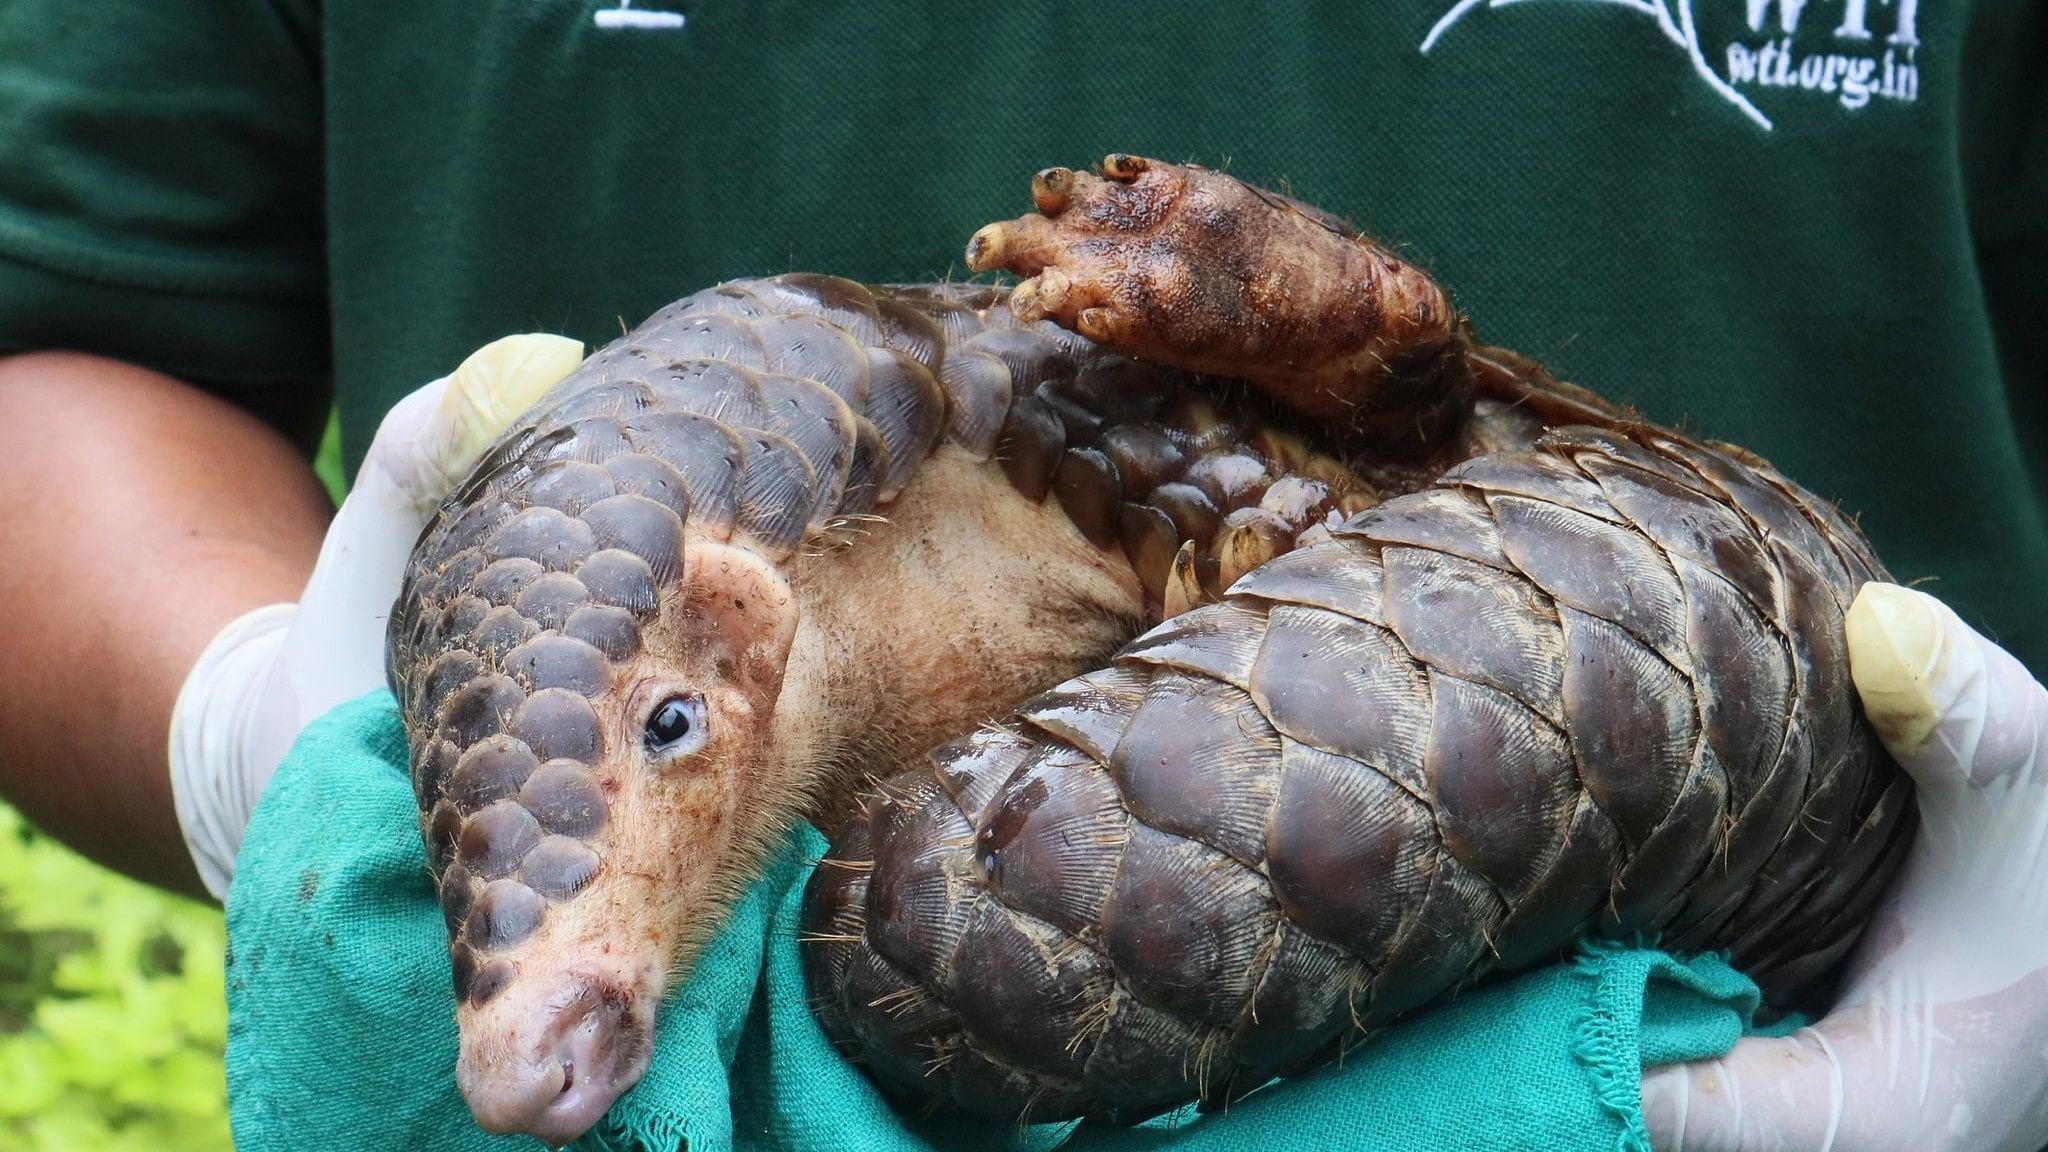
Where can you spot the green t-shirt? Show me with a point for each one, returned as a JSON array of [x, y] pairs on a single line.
[[1815, 227]]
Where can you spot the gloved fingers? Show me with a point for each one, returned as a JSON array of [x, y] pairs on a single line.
[[407, 433], [1951, 706], [426, 443], [432, 437], [1852, 1083], [262, 681], [1934, 1044], [215, 736], [1768, 1094], [1901, 1072]]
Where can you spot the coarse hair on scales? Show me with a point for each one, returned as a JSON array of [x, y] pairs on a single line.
[[1454, 664], [1597, 686]]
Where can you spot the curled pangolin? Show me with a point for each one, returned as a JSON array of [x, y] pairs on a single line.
[[1458, 663]]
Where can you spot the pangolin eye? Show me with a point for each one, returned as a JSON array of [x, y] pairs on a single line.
[[676, 726]]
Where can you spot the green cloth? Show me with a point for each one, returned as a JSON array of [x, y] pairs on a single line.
[[269, 194], [341, 1029]]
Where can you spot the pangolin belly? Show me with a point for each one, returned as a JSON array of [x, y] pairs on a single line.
[[1453, 664]]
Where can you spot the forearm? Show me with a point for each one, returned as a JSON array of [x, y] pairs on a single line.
[[141, 516]]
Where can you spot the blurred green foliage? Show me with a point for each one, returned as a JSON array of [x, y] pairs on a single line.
[[112, 1015], [327, 463]]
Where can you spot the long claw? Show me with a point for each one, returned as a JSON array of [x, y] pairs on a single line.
[[1183, 589], [1022, 246], [1249, 538], [1050, 189], [1123, 167], [1046, 294], [1055, 287], [985, 248], [1191, 268], [1025, 304], [1098, 324]]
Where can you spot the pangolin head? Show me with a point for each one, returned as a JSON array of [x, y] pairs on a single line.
[[590, 684], [593, 654]]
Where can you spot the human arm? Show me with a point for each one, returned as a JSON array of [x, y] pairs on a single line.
[[160, 525], [272, 671], [143, 514]]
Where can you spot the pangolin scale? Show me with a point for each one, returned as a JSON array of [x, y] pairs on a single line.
[[1594, 687], [1455, 666]]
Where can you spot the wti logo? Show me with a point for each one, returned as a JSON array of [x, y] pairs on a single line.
[[1777, 46], [1854, 77]]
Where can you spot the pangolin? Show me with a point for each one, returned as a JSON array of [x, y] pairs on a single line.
[[1449, 664]]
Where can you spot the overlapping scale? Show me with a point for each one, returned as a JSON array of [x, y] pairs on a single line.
[[1593, 687], [760, 410], [1584, 687]]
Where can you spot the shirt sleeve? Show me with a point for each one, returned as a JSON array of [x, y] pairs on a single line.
[[160, 193], [2003, 139]]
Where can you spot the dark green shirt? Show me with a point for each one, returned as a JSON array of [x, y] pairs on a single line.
[[1816, 227]]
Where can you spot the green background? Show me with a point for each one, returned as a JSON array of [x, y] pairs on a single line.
[[112, 1020]]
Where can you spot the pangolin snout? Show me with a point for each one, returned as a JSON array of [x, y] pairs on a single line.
[[549, 1064]]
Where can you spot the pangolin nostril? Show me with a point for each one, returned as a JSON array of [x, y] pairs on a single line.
[[568, 1076]]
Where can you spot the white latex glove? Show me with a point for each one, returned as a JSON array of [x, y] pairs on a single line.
[[271, 671], [1940, 1039]]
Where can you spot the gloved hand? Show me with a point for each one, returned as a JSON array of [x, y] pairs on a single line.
[[1940, 1038], [271, 671]]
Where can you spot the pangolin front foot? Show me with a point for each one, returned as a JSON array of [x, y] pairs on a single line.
[[1190, 267], [1077, 255]]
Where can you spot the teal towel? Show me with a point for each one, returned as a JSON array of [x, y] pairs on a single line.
[[341, 1021]]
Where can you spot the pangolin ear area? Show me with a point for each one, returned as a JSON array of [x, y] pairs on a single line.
[[742, 605]]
